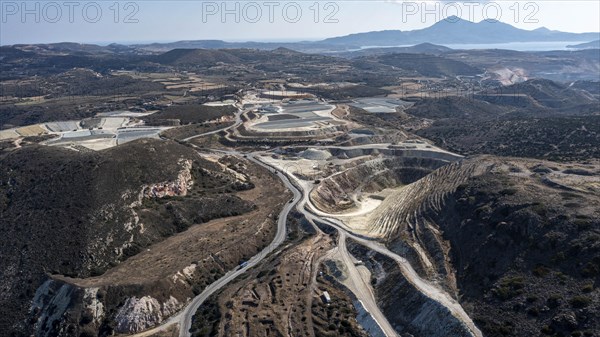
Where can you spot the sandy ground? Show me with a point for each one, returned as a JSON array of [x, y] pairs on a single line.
[[99, 144], [9, 134], [32, 130]]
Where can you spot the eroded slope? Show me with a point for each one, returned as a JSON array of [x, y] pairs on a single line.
[[516, 240], [80, 214]]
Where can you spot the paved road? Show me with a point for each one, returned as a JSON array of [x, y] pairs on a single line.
[[360, 289], [184, 317], [185, 320]]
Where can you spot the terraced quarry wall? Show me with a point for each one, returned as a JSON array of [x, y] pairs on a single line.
[[402, 219], [322, 132], [336, 193], [506, 237], [405, 152], [397, 212]]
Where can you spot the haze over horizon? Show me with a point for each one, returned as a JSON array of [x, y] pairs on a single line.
[[145, 21]]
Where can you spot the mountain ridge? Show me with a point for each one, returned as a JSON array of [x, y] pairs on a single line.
[[451, 30], [456, 30]]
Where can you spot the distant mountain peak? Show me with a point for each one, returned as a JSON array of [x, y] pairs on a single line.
[[283, 50], [456, 30], [451, 20], [455, 18]]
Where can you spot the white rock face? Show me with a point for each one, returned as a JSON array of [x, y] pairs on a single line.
[[179, 187], [139, 314], [93, 305], [189, 270], [184, 275]]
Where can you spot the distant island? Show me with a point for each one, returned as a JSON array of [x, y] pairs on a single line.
[[587, 45]]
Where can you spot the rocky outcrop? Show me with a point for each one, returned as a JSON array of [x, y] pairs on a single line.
[[138, 314], [178, 187], [93, 305], [64, 309], [49, 308]]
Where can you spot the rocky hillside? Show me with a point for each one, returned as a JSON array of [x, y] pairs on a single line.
[[562, 138], [424, 65], [455, 107], [534, 119], [284, 295], [542, 93], [516, 240], [79, 214]]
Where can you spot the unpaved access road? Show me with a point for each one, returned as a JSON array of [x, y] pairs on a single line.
[[364, 292]]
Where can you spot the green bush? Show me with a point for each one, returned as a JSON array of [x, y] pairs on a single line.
[[508, 191], [589, 270], [546, 330], [87, 332], [580, 302], [86, 318], [509, 287], [539, 208], [554, 301], [533, 311], [540, 271], [588, 288], [582, 224], [96, 271]]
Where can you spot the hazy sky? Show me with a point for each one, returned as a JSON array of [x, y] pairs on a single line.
[[103, 21]]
